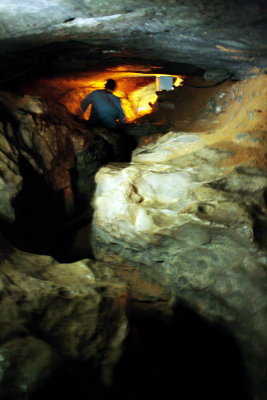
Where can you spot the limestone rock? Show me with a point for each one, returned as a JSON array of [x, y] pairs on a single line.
[[189, 213], [52, 314], [10, 179], [39, 136], [48, 162], [25, 363], [208, 35]]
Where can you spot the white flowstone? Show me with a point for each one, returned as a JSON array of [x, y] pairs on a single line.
[[167, 147], [134, 201], [158, 190]]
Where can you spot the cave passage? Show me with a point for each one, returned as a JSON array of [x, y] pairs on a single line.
[[183, 357], [42, 224], [39, 210], [136, 89], [138, 252]]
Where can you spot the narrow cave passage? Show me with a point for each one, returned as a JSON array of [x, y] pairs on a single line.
[[39, 213], [137, 87], [165, 237], [67, 181], [184, 354], [54, 201]]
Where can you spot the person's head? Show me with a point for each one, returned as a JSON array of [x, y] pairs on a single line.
[[110, 85]]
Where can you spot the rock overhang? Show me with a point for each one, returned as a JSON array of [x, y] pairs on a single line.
[[199, 35]]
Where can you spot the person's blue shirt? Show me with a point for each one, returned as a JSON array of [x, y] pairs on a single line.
[[106, 108]]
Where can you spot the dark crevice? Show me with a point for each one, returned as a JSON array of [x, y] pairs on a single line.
[[39, 213], [69, 20], [182, 357], [42, 223]]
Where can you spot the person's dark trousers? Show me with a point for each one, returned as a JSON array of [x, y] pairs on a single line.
[[128, 142]]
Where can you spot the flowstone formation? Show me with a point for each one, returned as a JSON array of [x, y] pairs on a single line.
[[189, 213]]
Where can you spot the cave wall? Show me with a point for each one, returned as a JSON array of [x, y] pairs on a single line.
[[185, 222], [189, 214], [48, 162], [55, 317], [189, 34]]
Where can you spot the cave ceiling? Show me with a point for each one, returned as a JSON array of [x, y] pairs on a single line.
[[186, 37]]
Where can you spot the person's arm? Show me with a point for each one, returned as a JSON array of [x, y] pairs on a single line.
[[85, 103]]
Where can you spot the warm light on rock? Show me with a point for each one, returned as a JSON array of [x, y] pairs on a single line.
[[137, 90], [154, 232]]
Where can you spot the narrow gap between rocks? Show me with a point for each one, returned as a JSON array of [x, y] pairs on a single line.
[[54, 201]]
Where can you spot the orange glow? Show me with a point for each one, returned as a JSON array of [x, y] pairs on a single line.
[[137, 90], [137, 102]]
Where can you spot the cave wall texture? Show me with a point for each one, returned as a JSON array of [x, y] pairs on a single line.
[[219, 34], [183, 213], [184, 222]]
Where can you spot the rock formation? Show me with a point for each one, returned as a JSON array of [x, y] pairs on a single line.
[[171, 243], [53, 315], [183, 223], [189, 213], [48, 162], [189, 35]]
